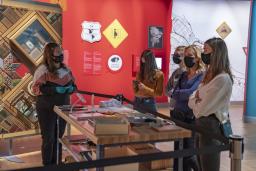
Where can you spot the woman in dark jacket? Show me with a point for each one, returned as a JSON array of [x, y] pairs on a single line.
[[52, 83]]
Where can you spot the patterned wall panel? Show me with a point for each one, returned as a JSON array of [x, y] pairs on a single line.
[[23, 35]]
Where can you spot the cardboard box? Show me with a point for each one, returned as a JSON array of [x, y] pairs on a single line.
[[118, 152], [150, 165], [110, 126]]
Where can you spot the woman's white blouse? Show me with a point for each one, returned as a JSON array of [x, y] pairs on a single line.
[[215, 98]]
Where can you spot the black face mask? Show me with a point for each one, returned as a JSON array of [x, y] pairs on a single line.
[[189, 61], [176, 59], [59, 58], [206, 58]]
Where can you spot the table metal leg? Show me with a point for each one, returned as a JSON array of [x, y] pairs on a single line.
[[180, 160], [100, 155], [10, 146], [57, 140]]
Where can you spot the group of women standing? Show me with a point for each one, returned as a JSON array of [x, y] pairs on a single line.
[[199, 91]]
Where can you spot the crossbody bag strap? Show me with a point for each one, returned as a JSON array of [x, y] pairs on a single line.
[[178, 83]]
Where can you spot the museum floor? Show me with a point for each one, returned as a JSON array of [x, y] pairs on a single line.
[[29, 148]]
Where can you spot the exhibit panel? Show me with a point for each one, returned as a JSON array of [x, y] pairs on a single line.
[[25, 27], [228, 20]]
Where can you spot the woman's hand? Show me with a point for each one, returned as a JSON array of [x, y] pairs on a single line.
[[198, 99], [197, 94], [141, 86]]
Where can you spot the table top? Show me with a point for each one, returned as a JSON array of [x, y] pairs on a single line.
[[136, 134]]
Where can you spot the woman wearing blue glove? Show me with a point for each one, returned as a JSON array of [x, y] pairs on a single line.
[[52, 83]]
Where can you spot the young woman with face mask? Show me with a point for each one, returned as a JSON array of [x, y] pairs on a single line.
[[52, 83], [177, 59], [210, 103], [187, 84], [148, 84], [207, 52]]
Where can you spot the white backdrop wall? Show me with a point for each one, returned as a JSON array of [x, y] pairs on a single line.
[[195, 21]]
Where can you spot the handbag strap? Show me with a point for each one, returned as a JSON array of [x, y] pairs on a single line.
[[178, 83]]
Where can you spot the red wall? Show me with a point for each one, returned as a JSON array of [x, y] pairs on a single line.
[[135, 16]]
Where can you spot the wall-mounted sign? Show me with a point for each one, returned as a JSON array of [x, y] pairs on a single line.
[[115, 63], [91, 31], [92, 63], [135, 64], [223, 30], [115, 33]]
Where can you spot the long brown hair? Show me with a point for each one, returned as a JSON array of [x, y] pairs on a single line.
[[48, 60], [147, 69], [219, 61]]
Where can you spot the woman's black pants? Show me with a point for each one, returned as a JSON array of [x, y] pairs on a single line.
[[48, 125]]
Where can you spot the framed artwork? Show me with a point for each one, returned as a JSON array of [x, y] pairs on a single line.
[[155, 37], [33, 36]]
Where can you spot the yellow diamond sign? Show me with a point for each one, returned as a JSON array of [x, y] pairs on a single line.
[[115, 33], [223, 30]]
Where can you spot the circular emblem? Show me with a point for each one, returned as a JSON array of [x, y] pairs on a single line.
[[115, 63]]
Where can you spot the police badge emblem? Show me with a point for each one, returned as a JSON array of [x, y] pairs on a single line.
[[91, 31]]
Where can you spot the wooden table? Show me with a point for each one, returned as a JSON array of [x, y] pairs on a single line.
[[136, 135]]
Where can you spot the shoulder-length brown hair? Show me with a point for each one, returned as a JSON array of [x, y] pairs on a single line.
[[48, 60], [147, 69], [219, 60]]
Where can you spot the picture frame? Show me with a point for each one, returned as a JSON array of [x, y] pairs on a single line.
[[155, 37], [32, 36]]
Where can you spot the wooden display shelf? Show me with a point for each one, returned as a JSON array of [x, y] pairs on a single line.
[[136, 134], [71, 149]]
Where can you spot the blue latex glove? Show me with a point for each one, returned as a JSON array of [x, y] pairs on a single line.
[[70, 89], [60, 90], [66, 89]]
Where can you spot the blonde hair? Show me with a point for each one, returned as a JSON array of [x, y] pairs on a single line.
[[180, 48], [197, 53]]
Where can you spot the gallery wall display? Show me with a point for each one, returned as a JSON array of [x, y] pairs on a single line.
[[223, 30], [62, 3], [155, 37], [91, 31], [33, 34], [135, 64], [222, 20], [115, 63], [115, 33], [24, 33], [92, 63]]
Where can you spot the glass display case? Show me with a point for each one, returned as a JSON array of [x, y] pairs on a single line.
[[24, 105], [9, 123], [55, 19], [33, 36]]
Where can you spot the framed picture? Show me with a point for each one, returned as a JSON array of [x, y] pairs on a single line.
[[155, 37], [32, 36]]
